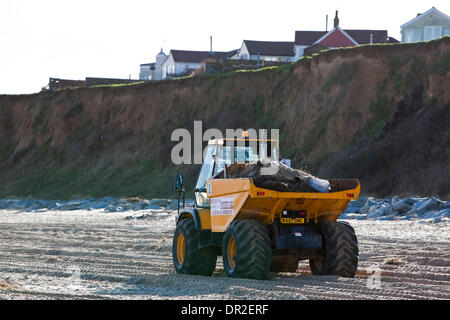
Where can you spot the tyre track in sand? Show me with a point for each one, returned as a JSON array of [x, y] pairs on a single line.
[[131, 259]]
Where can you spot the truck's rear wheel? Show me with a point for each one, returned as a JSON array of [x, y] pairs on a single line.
[[188, 257], [246, 250], [340, 250]]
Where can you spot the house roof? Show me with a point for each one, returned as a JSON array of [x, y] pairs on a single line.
[[363, 36], [197, 56], [307, 38], [420, 16], [232, 52], [270, 48], [335, 38]]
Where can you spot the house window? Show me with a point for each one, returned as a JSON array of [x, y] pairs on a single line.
[[412, 35], [447, 32], [416, 35], [408, 35], [432, 32]]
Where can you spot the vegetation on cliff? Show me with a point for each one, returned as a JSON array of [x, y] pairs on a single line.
[[341, 114]]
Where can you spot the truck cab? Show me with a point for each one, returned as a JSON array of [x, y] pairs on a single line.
[[221, 153]]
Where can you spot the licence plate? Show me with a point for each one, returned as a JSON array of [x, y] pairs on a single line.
[[292, 221]]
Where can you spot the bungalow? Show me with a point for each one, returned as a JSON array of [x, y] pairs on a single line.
[[426, 26], [338, 37], [146, 70], [59, 84], [266, 51], [181, 62]]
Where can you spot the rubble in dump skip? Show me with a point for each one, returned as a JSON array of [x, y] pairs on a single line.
[[276, 176]]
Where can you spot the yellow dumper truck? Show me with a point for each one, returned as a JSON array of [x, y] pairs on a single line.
[[258, 230]]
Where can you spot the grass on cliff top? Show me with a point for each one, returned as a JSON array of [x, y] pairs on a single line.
[[116, 85]]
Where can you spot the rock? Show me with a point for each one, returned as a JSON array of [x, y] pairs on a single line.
[[350, 216], [401, 206], [353, 207], [99, 204], [375, 213], [370, 202], [446, 205], [152, 207], [380, 210], [436, 214], [112, 208], [385, 218], [138, 206], [425, 205], [134, 199], [445, 212], [160, 202], [410, 201], [172, 207]]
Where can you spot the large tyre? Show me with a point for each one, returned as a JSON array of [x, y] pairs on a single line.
[[340, 247], [188, 257], [246, 250]]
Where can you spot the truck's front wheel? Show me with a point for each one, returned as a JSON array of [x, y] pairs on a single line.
[[340, 250], [246, 250], [188, 257]]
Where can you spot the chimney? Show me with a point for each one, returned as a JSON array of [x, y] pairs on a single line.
[[336, 20], [326, 23], [210, 44]]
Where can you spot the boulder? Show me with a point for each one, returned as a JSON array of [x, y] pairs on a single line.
[[426, 205], [353, 206], [401, 206], [161, 202]]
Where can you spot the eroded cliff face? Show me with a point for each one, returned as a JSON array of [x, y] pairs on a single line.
[[339, 105]]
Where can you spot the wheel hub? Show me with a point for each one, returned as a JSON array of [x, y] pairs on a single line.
[[180, 248], [231, 252]]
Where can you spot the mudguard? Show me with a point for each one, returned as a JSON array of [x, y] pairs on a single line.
[[189, 212], [207, 238]]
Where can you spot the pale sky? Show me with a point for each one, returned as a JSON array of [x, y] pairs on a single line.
[[109, 38]]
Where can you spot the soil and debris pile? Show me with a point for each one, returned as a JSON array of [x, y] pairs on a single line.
[[276, 176]]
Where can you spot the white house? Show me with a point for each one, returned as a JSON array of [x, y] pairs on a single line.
[[146, 70], [181, 62], [153, 71], [266, 51], [338, 37], [430, 25]]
